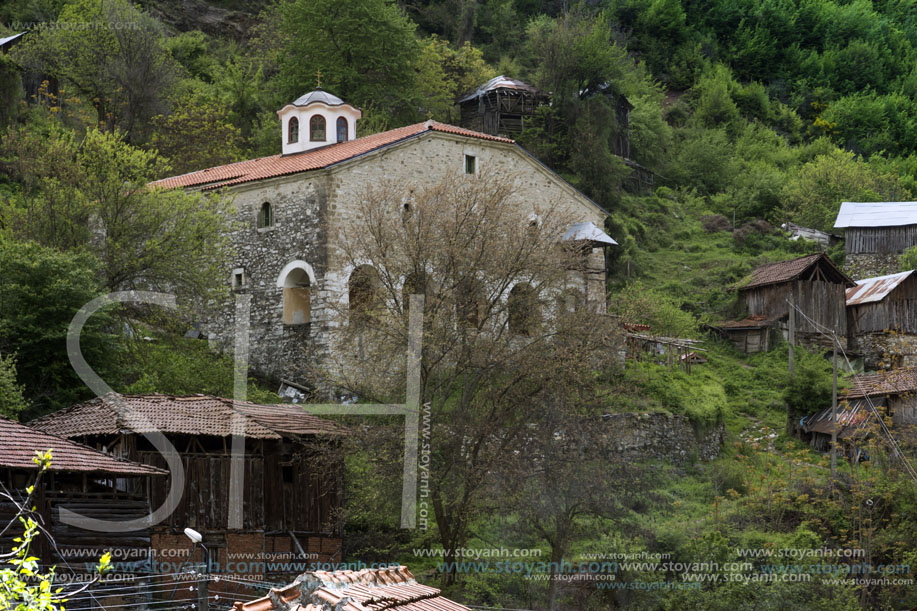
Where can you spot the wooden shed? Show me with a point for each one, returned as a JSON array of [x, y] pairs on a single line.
[[86, 482], [813, 284], [875, 233], [888, 393], [882, 320], [291, 493], [500, 107]]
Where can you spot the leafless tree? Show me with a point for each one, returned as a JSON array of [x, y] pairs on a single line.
[[504, 328]]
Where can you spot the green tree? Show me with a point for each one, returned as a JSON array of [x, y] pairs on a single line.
[[186, 135], [573, 53], [99, 200], [813, 196], [445, 73], [42, 290], [12, 401], [120, 65], [365, 50]]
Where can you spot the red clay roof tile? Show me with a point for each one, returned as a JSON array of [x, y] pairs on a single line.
[[19, 444], [315, 159], [191, 415], [365, 590]]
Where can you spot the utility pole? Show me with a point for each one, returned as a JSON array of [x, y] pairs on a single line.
[[834, 414], [792, 336]]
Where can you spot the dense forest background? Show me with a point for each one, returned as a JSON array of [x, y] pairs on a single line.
[[748, 113]]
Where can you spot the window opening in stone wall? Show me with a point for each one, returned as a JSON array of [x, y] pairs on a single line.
[[522, 307], [265, 216], [470, 164], [365, 293], [297, 298]]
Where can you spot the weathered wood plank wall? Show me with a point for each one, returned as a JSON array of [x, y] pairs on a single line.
[[861, 240]]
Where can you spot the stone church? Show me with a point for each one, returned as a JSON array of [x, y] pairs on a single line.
[[289, 206]]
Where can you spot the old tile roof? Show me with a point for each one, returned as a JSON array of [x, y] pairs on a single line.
[[501, 82], [315, 159], [19, 444], [871, 290], [756, 321], [191, 415], [783, 271], [365, 590], [896, 382]]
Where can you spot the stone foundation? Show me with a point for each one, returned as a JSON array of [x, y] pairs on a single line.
[[870, 265], [889, 350], [658, 435]]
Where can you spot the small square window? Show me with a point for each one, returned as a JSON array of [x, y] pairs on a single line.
[[470, 164], [238, 279]]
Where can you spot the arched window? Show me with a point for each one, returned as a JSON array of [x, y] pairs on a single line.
[[293, 131], [342, 129], [470, 302], [297, 294], [364, 293], [265, 216], [317, 128], [522, 307]]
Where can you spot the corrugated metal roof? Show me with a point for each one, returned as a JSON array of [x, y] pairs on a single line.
[[315, 159], [875, 289], [500, 82], [192, 415], [852, 417], [365, 590], [589, 232], [876, 214], [20, 442], [783, 271], [318, 95]]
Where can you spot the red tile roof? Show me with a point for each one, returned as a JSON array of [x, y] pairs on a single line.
[[894, 382], [316, 159], [192, 415], [20, 442], [784, 271], [366, 590]]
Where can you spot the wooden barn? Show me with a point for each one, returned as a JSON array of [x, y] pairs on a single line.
[[889, 393], [500, 107], [89, 483], [875, 233], [812, 283], [291, 489], [882, 320]]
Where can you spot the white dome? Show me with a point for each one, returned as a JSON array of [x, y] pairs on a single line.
[[316, 119]]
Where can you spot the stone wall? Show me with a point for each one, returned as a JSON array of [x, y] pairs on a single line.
[[658, 435], [888, 350], [870, 265], [311, 212]]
